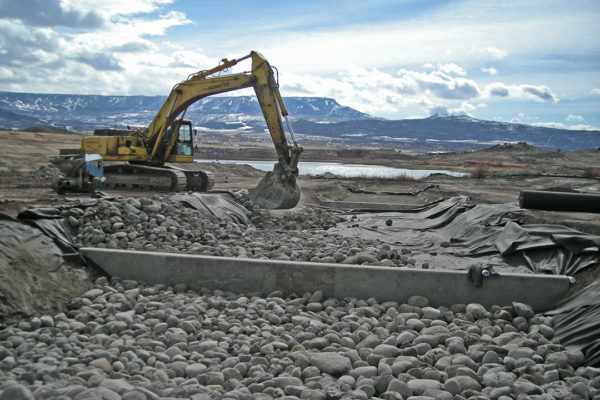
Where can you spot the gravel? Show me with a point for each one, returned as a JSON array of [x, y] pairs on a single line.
[[161, 223], [123, 339]]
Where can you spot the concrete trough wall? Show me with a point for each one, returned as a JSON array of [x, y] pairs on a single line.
[[442, 288], [353, 205]]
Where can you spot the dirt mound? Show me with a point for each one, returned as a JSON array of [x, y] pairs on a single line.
[[34, 278], [512, 147], [226, 169]]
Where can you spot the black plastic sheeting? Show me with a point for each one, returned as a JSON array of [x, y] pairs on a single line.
[[577, 322], [53, 224], [454, 234], [220, 205], [15, 236]]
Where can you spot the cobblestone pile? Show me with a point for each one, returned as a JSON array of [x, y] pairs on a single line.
[[163, 224], [125, 340]]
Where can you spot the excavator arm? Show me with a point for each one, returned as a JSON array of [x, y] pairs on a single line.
[[277, 189]]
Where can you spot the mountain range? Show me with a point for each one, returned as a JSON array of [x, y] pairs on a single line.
[[315, 119]]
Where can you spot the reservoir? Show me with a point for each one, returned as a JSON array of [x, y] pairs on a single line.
[[345, 170]]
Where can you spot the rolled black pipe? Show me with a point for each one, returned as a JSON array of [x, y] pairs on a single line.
[[559, 201]]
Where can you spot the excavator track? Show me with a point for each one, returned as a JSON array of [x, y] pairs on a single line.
[[144, 178], [168, 178], [198, 180]]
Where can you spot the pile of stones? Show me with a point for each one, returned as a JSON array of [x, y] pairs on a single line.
[[162, 223], [44, 176], [125, 340], [46, 172]]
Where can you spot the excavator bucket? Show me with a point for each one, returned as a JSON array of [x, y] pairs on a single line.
[[275, 192]]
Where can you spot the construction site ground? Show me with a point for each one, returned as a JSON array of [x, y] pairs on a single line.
[[41, 291], [494, 175]]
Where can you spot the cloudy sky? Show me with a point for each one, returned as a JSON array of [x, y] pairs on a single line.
[[534, 62]]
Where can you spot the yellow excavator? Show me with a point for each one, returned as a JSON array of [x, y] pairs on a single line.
[[169, 139]]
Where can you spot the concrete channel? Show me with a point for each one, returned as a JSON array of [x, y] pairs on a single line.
[[238, 275], [354, 205]]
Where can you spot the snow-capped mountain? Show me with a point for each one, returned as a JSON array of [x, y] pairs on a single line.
[[314, 118], [455, 132], [88, 112]]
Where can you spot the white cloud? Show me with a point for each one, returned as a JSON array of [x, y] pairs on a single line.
[[465, 108], [521, 117], [374, 91], [439, 109], [440, 84], [583, 127], [6, 74], [131, 52], [522, 92], [50, 13], [371, 90], [465, 33], [448, 68], [559, 125], [537, 93], [151, 27], [576, 118], [556, 125], [112, 57], [485, 53], [452, 69], [491, 70], [110, 8], [99, 61]]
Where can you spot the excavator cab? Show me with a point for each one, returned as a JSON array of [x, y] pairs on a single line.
[[183, 143]]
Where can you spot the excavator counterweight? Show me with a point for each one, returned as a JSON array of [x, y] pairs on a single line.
[[168, 139]]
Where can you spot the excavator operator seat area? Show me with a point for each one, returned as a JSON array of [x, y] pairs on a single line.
[[184, 145]]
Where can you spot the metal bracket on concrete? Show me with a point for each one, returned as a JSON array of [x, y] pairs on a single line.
[[239, 275]]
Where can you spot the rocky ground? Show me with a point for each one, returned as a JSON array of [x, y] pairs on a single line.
[[161, 223], [125, 340]]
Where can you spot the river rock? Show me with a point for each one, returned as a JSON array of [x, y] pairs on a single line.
[[330, 363]]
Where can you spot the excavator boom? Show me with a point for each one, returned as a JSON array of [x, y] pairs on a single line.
[[158, 143]]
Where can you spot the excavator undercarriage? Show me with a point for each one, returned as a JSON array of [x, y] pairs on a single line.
[[160, 179]]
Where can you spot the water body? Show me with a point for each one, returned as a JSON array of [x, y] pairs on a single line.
[[346, 170]]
